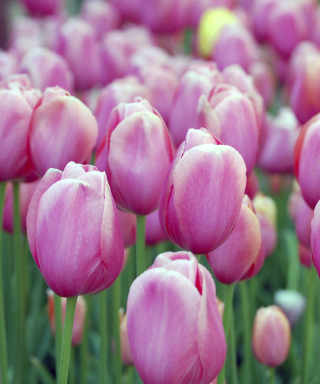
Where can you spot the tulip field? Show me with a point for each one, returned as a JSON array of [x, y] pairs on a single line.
[[160, 192]]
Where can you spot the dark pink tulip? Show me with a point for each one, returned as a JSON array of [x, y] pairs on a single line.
[[266, 211], [154, 232], [126, 355], [261, 10], [8, 64], [271, 336], [128, 224], [79, 316], [230, 115], [235, 45], [279, 138], [208, 178], [129, 10], [77, 37], [136, 155], [174, 327], [264, 80], [25, 194], [305, 256], [197, 81], [102, 16], [43, 7], [119, 91], [307, 166], [74, 232], [233, 259], [47, 69], [62, 129]]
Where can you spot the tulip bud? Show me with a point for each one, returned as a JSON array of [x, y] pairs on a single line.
[[74, 232], [271, 336], [292, 303], [138, 153], [197, 179], [266, 211], [233, 259], [307, 167], [126, 355], [62, 129], [305, 256], [79, 316], [172, 345], [26, 191]]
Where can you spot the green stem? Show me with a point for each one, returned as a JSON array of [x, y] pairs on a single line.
[[130, 373], [84, 344], [227, 313], [246, 332], [141, 264], [308, 328], [103, 337], [20, 304], [72, 371], [66, 340], [116, 303], [3, 337], [233, 353], [272, 373], [58, 329]]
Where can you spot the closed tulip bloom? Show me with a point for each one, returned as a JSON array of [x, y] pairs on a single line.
[[62, 129], [74, 232], [119, 91], [136, 156], [305, 256], [26, 192], [238, 253], [271, 336], [174, 327], [43, 7], [292, 303], [230, 115], [208, 178], [154, 232], [79, 316], [47, 69], [279, 138], [307, 167]]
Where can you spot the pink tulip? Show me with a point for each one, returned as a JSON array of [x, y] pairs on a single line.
[[252, 187], [47, 69], [25, 194], [233, 259], [261, 11], [174, 327], [305, 256], [264, 80], [266, 211], [208, 178], [62, 129], [136, 156], [119, 91], [154, 232], [271, 336], [128, 224], [102, 16], [279, 138], [149, 56], [77, 37], [126, 355], [220, 114], [292, 303], [79, 316], [307, 167], [74, 232], [195, 82], [43, 7]]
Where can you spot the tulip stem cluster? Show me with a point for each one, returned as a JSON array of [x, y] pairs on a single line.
[[227, 316], [58, 328], [103, 336], [66, 340], [3, 344], [140, 246]]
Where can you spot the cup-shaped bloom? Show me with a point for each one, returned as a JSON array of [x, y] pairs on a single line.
[[174, 327], [292, 303], [126, 355], [79, 316], [208, 178], [233, 259], [47, 69], [279, 137], [305, 256], [194, 83], [119, 91], [74, 232], [154, 232], [266, 211], [43, 7], [62, 129], [220, 114], [26, 192], [136, 156], [271, 336], [306, 161]]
